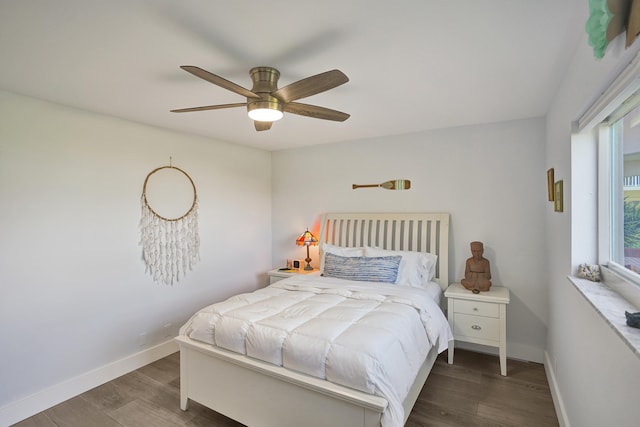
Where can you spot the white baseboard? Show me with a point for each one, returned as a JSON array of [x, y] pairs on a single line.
[[26, 407], [561, 413]]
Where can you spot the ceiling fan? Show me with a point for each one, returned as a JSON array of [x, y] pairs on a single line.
[[266, 103]]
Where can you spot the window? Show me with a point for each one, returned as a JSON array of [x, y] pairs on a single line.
[[621, 131], [606, 139], [605, 186]]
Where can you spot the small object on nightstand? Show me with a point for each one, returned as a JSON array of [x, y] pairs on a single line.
[[477, 270], [479, 318]]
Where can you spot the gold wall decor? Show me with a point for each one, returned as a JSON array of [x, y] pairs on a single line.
[[550, 185], [633, 23], [557, 203], [396, 184]]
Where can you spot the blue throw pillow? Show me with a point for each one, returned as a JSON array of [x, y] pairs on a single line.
[[366, 269]]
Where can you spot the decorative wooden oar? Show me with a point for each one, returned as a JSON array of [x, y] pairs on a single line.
[[396, 184]]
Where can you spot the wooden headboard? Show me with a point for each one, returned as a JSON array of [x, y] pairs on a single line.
[[421, 232]]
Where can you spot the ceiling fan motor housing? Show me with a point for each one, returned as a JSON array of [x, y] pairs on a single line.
[[265, 79]]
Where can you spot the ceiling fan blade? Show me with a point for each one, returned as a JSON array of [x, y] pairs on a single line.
[[209, 107], [315, 112], [262, 125], [219, 81], [311, 85]]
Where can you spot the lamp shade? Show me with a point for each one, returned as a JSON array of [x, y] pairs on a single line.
[[265, 114], [306, 239], [268, 109]]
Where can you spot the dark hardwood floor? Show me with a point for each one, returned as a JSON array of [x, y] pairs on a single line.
[[471, 392]]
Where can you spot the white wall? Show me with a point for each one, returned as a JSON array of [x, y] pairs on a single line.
[[74, 295], [594, 374], [491, 178]]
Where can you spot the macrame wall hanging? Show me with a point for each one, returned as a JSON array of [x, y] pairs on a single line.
[[169, 224]]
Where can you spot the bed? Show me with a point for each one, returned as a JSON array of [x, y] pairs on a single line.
[[272, 387]]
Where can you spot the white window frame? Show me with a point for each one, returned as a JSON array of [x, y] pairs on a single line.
[[607, 213], [593, 120], [604, 194]]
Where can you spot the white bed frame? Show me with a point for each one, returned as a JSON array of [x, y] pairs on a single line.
[[256, 393]]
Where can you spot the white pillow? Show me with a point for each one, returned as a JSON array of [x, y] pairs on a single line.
[[340, 251], [431, 265], [416, 268]]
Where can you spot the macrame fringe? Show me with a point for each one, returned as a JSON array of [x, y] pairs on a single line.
[[169, 248]]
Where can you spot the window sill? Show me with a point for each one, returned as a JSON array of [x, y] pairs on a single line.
[[611, 306]]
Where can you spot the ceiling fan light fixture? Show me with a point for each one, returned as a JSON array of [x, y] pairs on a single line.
[[265, 111], [266, 103]]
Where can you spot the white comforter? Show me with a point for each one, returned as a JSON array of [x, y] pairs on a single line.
[[368, 336]]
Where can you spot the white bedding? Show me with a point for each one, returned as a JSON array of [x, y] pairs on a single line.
[[369, 336]]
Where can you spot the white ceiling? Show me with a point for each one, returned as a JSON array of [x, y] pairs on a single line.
[[413, 65]]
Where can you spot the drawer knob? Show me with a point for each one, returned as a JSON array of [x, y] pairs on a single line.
[[475, 308], [476, 327]]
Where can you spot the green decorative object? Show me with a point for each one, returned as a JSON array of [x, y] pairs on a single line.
[[599, 18], [607, 20]]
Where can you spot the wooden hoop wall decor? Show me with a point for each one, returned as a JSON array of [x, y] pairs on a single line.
[[170, 246]]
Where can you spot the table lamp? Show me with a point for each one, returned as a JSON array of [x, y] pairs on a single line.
[[307, 239]]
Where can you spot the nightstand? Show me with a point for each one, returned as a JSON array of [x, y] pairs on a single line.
[[277, 274], [479, 318]]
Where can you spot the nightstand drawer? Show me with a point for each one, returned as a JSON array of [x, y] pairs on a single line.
[[487, 328], [476, 308]]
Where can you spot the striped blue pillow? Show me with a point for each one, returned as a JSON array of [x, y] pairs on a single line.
[[366, 269]]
